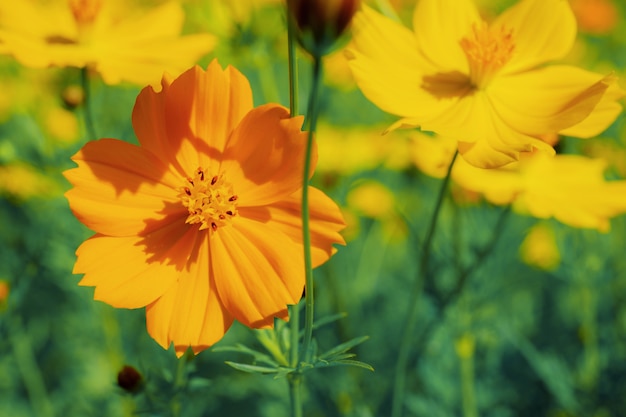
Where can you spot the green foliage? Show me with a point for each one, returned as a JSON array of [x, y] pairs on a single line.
[[495, 337]]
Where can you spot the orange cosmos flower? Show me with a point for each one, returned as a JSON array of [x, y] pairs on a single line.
[[483, 84], [200, 223], [117, 39]]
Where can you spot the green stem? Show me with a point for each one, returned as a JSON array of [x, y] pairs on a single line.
[[28, 368], [411, 319], [180, 381], [89, 125], [312, 113], [463, 275], [295, 379], [468, 395]]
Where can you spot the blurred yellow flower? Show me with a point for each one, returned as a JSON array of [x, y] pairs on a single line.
[[484, 85], [21, 181], [359, 148], [371, 199], [432, 155], [201, 222], [570, 188], [113, 37], [61, 125], [539, 248]]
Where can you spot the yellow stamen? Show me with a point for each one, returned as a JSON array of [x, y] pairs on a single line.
[[487, 51], [209, 199], [85, 11]]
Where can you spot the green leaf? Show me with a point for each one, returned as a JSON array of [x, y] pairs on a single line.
[[255, 369], [259, 357], [342, 348], [344, 362]]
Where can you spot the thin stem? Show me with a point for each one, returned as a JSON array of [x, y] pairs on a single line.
[[412, 315], [463, 275], [480, 257], [295, 394], [295, 379], [180, 381], [312, 113], [89, 125], [293, 71]]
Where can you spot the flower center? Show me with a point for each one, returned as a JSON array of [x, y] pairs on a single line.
[[209, 199], [487, 50], [85, 11]]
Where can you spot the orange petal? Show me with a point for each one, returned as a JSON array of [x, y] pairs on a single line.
[[131, 272], [202, 109], [325, 221], [149, 125], [543, 30], [119, 186], [264, 157], [258, 271], [190, 313]]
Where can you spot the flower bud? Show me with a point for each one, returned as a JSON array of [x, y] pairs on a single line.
[[129, 379], [319, 23]]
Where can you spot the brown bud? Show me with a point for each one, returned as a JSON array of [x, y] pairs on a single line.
[[129, 379], [319, 23], [73, 96]]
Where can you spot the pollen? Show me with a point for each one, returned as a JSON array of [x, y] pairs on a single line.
[[210, 200], [487, 51], [85, 11]]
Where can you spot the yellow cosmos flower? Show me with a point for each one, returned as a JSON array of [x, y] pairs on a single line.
[[200, 223], [484, 85], [120, 42], [570, 188]]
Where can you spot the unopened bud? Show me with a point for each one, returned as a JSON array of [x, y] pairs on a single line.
[[73, 96], [129, 379], [319, 23]]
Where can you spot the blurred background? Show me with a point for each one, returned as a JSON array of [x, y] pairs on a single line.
[[523, 317]]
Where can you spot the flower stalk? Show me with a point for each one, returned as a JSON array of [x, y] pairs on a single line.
[[311, 120], [87, 108], [294, 379], [411, 319]]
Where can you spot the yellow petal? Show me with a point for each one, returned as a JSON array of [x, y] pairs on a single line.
[[439, 25], [141, 63], [258, 271], [543, 30], [190, 313], [602, 116], [131, 272], [499, 186], [485, 139], [119, 188], [572, 189], [264, 157], [325, 221], [550, 99], [388, 68]]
